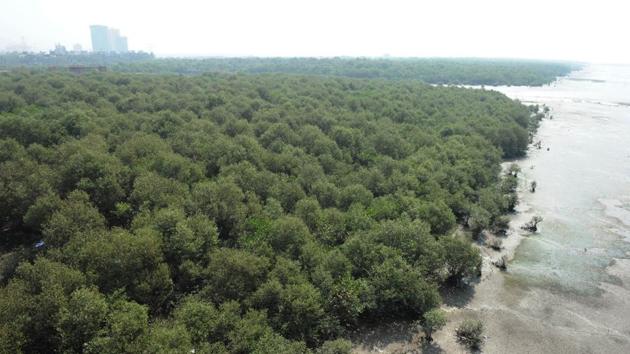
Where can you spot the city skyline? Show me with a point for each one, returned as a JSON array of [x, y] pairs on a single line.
[[282, 28]]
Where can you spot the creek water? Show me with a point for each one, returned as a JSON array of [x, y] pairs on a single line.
[[567, 289]]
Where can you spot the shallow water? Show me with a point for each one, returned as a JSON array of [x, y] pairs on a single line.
[[573, 276]]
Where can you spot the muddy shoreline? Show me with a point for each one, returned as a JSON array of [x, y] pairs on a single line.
[[567, 288], [404, 337]]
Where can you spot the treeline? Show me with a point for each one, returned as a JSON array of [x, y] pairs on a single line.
[[234, 213], [41, 60], [430, 70]]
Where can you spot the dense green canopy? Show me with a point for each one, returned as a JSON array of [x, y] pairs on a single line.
[[60, 60], [236, 213], [431, 70], [459, 71]]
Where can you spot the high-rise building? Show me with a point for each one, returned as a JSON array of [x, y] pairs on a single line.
[[114, 34], [107, 40], [122, 44], [100, 38]]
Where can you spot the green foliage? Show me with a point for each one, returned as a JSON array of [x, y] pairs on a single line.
[[461, 259], [168, 338], [221, 201], [19, 59], [400, 290], [233, 274], [438, 215], [22, 181], [86, 165], [125, 330], [470, 333], [201, 320], [82, 319], [294, 305], [31, 304], [228, 331], [120, 260], [437, 71], [75, 216], [338, 346], [151, 191], [10, 102], [239, 213], [433, 320], [287, 236]]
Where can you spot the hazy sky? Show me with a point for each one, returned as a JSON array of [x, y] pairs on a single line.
[[577, 30]]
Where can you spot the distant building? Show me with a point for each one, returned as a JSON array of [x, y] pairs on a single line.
[[122, 45], [100, 38], [107, 40], [77, 48], [59, 50], [114, 34]]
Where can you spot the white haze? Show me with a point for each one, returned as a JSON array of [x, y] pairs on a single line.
[[543, 29]]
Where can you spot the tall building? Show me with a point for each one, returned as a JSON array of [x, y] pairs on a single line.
[[100, 38], [108, 40], [114, 34], [122, 44]]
